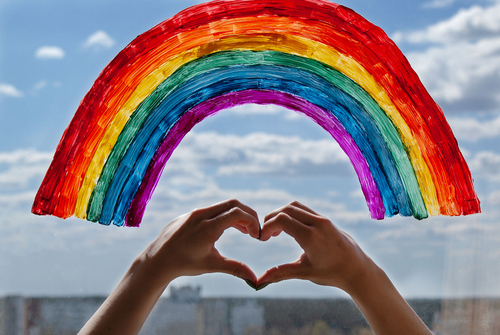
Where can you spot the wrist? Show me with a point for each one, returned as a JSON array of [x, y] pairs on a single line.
[[150, 273], [371, 278], [384, 308]]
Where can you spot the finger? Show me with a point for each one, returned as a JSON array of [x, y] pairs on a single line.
[[221, 207], [302, 206], [235, 268], [296, 210], [284, 222], [237, 218], [241, 228], [295, 270]]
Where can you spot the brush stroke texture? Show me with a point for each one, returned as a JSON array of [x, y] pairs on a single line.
[[359, 47], [281, 43], [126, 179], [198, 67], [212, 106]]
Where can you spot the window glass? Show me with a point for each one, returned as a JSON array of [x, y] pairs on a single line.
[[55, 273]]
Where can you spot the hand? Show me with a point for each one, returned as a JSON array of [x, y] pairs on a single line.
[[185, 247], [331, 257]]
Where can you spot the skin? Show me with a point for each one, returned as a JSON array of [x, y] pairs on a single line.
[[185, 247], [331, 257]]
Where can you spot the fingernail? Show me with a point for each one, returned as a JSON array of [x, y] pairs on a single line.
[[262, 286], [260, 232], [250, 283]]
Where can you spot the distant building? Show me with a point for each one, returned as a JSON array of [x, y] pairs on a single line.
[[468, 316], [178, 314], [185, 294], [12, 318], [214, 317], [248, 319], [186, 312], [37, 316]]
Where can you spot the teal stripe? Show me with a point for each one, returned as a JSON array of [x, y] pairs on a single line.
[[232, 58]]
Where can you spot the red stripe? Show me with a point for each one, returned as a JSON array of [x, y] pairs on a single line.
[[342, 20]]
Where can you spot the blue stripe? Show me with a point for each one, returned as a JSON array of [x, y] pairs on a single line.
[[310, 87]]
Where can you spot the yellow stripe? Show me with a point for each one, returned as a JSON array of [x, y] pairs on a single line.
[[283, 43]]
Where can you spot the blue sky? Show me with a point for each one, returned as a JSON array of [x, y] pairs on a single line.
[[52, 51]]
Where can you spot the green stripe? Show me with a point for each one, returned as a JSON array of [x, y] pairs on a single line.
[[234, 58]]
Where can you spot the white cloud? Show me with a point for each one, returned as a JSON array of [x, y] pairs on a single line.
[[19, 168], [471, 130], [20, 176], [438, 3], [24, 156], [10, 91], [486, 164], [99, 39], [470, 24], [23, 234], [187, 184], [16, 199], [462, 76], [50, 52], [260, 153], [169, 202], [438, 227], [461, 69]]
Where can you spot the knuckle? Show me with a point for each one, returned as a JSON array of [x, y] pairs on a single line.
[[281, 217], [324, 221], [195, 213], [235, 211], [268, 217], [232, 202]]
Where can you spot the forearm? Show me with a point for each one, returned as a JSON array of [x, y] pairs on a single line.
[[128, 306], [384, 308], [185, 247]]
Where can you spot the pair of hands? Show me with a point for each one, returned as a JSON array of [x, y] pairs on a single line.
[[185, 247]]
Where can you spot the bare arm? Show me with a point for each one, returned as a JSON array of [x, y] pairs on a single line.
[[185, 247], [331, 257]]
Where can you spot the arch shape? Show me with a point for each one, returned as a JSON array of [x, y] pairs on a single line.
[[231, 58], [220, 81], [263, 97], [315, 29], [327, 54]]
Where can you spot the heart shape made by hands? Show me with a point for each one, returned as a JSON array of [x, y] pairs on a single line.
[[186, 246], [258, 255], [330, 256]]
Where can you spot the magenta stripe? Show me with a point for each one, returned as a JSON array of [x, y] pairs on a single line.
[[210, 107]]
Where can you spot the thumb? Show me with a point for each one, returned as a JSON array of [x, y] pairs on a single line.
[[295, 270]]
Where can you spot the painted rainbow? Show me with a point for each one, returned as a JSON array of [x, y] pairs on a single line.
[[312, 56]]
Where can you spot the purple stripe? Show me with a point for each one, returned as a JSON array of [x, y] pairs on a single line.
[[198, 113]]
